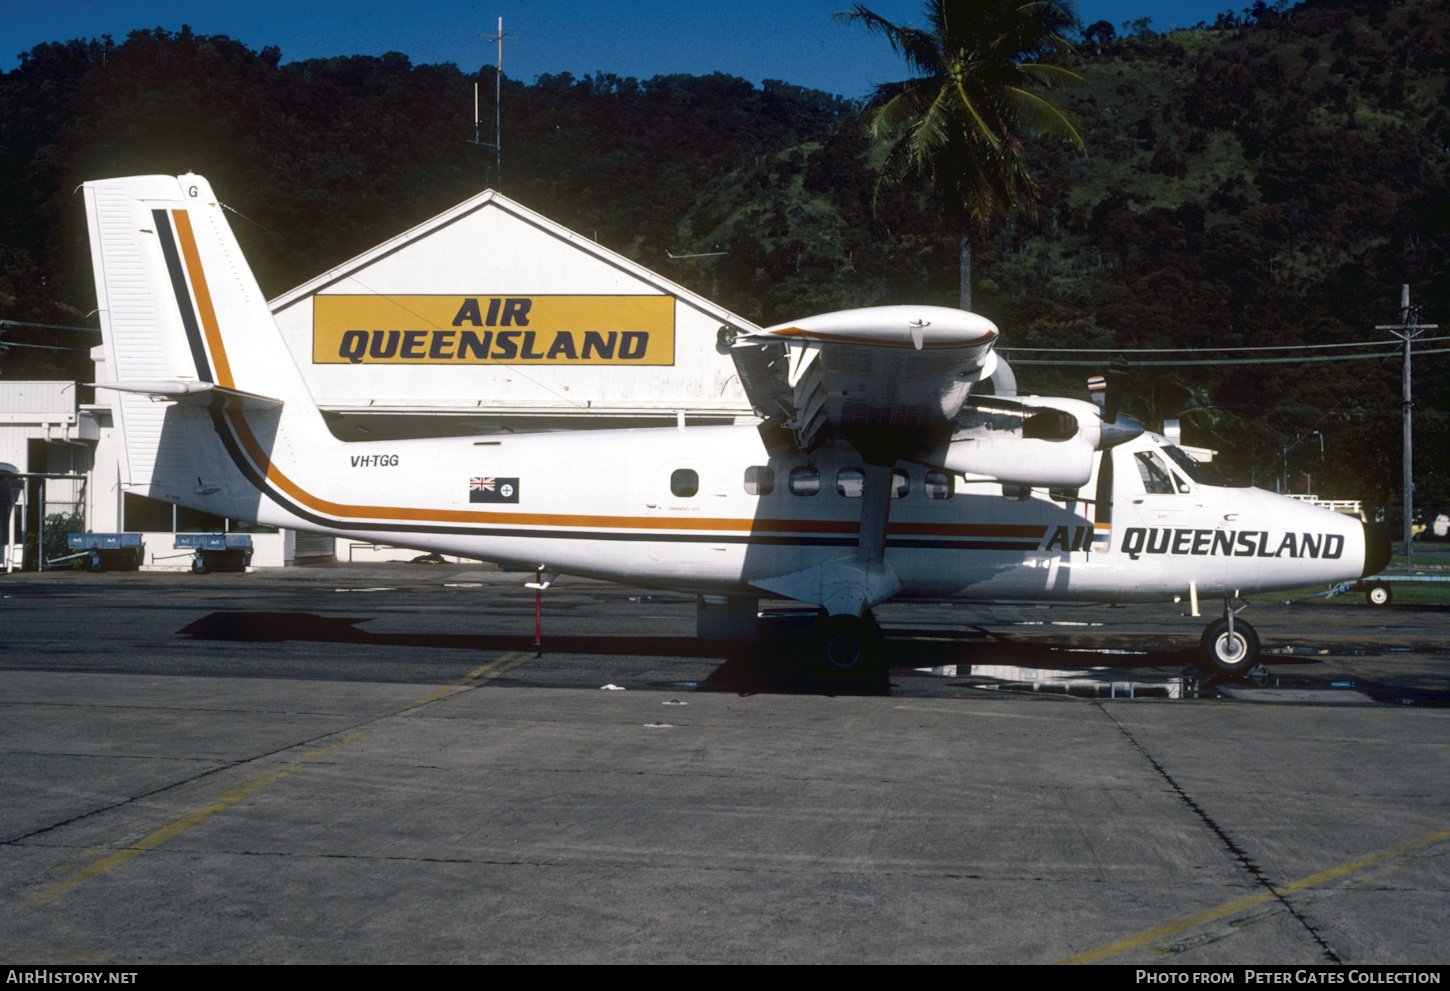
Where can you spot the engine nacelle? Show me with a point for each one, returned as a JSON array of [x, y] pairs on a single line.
[[1047, 443]]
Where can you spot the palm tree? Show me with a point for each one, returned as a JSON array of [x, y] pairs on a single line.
[[958, 123]]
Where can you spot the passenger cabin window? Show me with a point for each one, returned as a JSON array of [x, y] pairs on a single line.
[[940, 485], [850, 482], [1156, 480], [759, 480], [804, 481], [684, 482], [900, 484]]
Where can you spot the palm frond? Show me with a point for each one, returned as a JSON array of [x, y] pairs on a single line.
[[1044, 117], [984, 129], [1050, 76], [957, 124]]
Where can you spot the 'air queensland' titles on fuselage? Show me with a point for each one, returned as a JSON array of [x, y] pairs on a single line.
[[1139, 540]]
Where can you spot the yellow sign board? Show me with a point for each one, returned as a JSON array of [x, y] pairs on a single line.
[[493, 330]]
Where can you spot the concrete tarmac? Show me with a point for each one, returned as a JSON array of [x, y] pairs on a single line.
[[369, 764]]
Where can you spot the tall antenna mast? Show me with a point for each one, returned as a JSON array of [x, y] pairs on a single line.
[[497, 143]]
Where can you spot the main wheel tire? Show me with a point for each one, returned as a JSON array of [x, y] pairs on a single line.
[[1378, 594], [846, 649], [1234, 655]]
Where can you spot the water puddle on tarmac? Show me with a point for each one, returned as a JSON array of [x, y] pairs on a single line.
[[1091, 683], [1115, 683]]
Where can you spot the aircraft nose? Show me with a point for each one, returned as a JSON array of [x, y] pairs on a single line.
[[1376, 550]]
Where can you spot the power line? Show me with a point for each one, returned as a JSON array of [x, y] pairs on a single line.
[[44, 347], [45, 326], [1224, 361], [1263, 347], [1328, 410]]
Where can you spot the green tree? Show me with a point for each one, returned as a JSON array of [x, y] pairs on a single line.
[[958, 124]]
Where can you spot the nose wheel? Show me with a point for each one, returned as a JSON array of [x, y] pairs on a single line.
[[1230, 646]]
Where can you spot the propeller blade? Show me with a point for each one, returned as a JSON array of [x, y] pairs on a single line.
[[1107, 390], [1117, 385]]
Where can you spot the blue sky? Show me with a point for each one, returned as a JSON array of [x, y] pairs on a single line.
[[795, 40]]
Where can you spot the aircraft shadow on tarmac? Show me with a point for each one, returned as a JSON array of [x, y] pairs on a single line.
[[774, 663]]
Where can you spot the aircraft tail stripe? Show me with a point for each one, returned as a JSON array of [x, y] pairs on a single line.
[[203, 298], [183, 297]]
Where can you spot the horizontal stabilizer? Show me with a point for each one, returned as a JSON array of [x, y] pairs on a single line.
[[191, 393]]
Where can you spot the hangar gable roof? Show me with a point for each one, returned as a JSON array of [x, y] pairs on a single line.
[[625, 268]]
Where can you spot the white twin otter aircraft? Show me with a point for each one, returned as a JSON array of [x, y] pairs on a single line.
[[877, 474]]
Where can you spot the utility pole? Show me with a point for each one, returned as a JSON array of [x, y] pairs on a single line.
[[1407, 330]]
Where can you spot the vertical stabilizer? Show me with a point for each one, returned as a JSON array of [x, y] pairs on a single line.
[[189, 344]]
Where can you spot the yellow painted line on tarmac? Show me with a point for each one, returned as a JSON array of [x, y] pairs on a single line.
[[1193, 921], [231, 796], [498, 668], [478, 676], [254, 783]]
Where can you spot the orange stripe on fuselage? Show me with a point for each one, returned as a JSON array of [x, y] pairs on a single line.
[[207, 314], [748, 525]]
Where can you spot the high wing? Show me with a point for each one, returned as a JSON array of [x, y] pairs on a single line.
[[908, 366], [896, 381]]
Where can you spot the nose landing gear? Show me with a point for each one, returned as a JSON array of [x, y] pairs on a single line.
[[1229, 646]]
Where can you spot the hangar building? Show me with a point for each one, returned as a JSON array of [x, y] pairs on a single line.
[[486, 318]]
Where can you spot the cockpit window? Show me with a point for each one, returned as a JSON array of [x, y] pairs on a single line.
[[1155, 475], [1200, 473]]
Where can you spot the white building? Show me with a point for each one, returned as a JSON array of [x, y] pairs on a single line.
[[487, 318]]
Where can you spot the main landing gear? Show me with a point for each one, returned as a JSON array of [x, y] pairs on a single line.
[[1229, 646], [846, 650]]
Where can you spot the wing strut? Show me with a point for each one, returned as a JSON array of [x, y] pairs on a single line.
[[850, 586], [875, 509]]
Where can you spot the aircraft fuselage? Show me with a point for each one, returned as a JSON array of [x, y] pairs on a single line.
[[708, 509]]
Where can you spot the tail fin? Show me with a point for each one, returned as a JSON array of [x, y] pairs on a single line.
[[183, 319]]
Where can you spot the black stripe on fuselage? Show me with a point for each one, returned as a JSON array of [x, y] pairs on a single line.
[[759, 540], [183, 298]]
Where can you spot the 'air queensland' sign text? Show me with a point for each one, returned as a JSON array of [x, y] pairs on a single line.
[[487, 330]]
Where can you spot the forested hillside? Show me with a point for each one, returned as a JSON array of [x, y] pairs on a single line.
[[1268, 180]]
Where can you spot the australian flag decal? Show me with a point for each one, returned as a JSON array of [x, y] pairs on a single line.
[[493, 489]]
